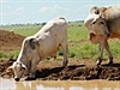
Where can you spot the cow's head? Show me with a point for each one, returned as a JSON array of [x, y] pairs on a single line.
[[28, 53], [18, 68], [97, 27]]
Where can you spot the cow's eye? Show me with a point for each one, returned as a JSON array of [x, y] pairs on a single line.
[[93, 23], [102, 22]]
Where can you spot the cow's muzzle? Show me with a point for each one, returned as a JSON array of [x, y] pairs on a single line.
[[17, 79]]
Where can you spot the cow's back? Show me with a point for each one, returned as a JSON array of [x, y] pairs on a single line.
[[51, 35], [54, 26], [57, 25], [56, 29]]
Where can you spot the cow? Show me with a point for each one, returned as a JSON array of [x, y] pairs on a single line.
[[103, 23], [41, 45]]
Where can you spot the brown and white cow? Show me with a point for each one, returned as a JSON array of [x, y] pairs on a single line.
[[37, 47], [103, 23]]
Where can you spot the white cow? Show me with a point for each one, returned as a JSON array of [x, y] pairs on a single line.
[[103, 23], [37, 47]]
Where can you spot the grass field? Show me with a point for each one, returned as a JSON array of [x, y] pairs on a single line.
[[79, 47]]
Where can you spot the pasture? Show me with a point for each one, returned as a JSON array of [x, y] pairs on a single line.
[[82, 56], [79, 46]]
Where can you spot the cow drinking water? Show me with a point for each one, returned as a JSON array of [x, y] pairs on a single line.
[[37, 47]]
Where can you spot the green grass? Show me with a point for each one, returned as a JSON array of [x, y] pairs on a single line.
[[26, 30], [84, 51], [3, 55], [77, 33], [12, 54], [115, 48]]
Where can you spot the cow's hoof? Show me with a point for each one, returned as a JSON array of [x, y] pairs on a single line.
[[98, 62], [110, 62], [64, 64]]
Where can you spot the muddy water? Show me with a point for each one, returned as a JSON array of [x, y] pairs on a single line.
[[10, 84]]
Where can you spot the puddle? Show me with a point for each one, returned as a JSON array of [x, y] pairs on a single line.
[[10, 84]]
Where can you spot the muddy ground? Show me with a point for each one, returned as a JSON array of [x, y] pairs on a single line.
[[52, 70], [75, 70]]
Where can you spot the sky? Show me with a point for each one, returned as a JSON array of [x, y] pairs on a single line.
[[39, 11]]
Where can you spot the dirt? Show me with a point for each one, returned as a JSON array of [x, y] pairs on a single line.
[[75, 70], [51, 70], [10, 41]]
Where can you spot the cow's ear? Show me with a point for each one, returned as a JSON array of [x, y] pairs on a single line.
[[93, 38], [9, 69]]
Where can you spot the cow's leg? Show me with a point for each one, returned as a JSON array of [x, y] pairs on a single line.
[[109, 53], [101, 48], [65, 60], [32, 72], [33, 69]]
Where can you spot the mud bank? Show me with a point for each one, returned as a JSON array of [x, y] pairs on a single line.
[[75, 70], [10, 41]]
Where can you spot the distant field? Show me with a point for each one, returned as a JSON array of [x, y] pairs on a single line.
[[79, 45], [25, 30]]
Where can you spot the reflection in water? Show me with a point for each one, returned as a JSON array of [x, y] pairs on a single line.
[[76, 88], [7, 84], [10, 84], [41, 87]]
